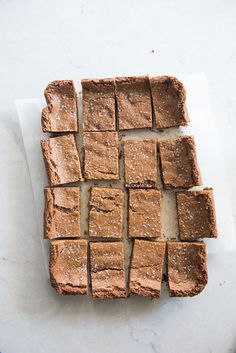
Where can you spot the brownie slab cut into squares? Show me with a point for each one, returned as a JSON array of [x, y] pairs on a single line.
[[99, 105], [68, 266], [168, 97], [179, 163], [144, 213], [106, 208], [187, 268], [61, 159], [62, 212], [123, 103], [196, 214], [134, 106], [146, 268], [60, 115], [107, 270], [140, 159], [101, 155]]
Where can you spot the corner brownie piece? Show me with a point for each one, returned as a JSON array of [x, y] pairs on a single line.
[[140, 158], [134, 106], [68, 266], [168, 97], [146, 268], [187, 268], [107, 270], [106, 207], [179, 163], [62, 212], [101, 155], [61, 159], [196, 214], [60, 115], [144, 213], [99, 105]]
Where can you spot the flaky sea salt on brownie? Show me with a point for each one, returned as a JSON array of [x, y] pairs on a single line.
[[62, 160], [62, 212], [101, 155], [99, 105], [179, 163], [144, 213], [107, 270], [106, 207], [196, 214], [146, 268], [168, 97], [60, 115], [187, 268], [68, 266], [134, 106], [140, 158]]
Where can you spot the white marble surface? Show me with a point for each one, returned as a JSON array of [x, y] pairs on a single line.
[[41, 41]]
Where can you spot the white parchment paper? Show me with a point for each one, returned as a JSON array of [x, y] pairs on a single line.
[[209, 153]]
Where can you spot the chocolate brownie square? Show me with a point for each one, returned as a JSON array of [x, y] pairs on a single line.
[[68, 266], [196, 214], [134, 106], [179, 163], [101, 155], [60, 115], [99, 104], [62, 212], [187, 268], [107, 270], [168, 97], [140, 158], [144, 213], [146, 268], [106, 207], [61, 159]]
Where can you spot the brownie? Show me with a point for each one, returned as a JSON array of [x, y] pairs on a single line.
[[101, 155], [187, 268], [62, 212], [61, 159], [99, 105], [196, 214], [134, 106], [144, 213], [140, 158], [179, 163], [68, 266], [168, 97], [106, 207], [60, 115], [107, 270], [146, 268]]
